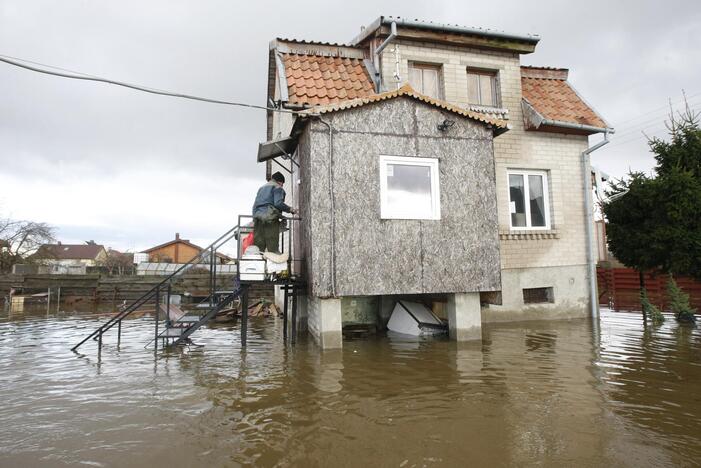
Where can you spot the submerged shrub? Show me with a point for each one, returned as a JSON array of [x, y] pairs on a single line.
[[679, 302], [649, 309]]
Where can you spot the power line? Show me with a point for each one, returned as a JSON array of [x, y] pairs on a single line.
[[82, 76], [630, 128], [657, 109]]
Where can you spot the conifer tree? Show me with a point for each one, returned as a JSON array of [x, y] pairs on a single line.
[[679, 302]]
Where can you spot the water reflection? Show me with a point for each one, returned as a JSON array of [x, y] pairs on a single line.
[[551, 393]]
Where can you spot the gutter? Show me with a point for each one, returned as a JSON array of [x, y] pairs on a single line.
[[378, 51], [385, 20], [332, 259], [575, 126], [591, 266]]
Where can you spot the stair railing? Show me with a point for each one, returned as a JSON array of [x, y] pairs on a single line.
[[154, 292]]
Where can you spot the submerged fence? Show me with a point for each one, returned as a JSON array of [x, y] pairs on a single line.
[[619, 289]]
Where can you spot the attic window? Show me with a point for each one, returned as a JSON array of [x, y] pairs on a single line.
[[482, 88], [425, 79], [409, 188]]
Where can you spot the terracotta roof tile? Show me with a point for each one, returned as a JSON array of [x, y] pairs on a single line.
[[317, 80], [408, 91], [552, 97], [308, 75], [71, 251]]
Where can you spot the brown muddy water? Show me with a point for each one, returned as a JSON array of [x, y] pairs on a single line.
[[561, 393]]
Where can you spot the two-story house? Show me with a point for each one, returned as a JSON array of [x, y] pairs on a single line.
[[427, 161]]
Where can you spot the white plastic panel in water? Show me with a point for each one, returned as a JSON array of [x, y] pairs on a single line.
[[407, 316]]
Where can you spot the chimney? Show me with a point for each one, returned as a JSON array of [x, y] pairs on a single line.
[[177, 236]]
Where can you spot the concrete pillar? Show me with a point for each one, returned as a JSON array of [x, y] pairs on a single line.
[[324, 321], [464, 316]]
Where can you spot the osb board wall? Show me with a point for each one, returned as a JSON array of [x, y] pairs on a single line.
[[458, 253]]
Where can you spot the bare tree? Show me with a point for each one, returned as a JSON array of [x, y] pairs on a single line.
[[20, 241], [118, 262]]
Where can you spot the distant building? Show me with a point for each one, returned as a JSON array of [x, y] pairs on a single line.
[[178, 251], [71, 258]]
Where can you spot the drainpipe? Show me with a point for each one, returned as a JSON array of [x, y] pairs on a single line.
[[591, 266], [378, 51], [333, 208]]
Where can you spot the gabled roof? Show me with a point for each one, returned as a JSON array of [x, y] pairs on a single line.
[[71, 251], [551, 101], [183, 242], [319, 80], [407, 91]]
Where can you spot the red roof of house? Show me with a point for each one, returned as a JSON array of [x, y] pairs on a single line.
[[408, 91], [72, 251], [319, 80], [327, 80], [548, 91]]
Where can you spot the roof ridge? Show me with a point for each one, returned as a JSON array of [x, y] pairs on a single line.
[[405, 90]]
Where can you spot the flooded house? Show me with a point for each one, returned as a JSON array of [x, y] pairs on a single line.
[[429, 164]]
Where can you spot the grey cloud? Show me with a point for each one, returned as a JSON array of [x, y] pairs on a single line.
[[626, 58]]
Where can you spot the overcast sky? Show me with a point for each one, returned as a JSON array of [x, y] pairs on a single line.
[[129, 169]]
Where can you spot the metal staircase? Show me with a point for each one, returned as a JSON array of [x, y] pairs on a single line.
[[179, 325]]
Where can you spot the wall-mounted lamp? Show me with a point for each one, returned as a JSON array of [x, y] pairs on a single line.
[[445, 125]]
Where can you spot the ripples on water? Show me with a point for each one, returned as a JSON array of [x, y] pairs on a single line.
[[548, 393]]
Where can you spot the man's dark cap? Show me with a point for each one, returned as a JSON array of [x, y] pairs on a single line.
[[278, 177]]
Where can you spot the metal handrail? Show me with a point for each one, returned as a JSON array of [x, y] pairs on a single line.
[[213, 247]]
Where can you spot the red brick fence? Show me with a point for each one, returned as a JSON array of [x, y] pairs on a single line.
[[619, 288]]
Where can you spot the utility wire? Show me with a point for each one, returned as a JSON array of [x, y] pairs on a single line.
[[634, 127], [82, 76], [657, 109]]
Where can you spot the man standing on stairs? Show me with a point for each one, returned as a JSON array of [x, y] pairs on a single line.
[[267, 208]]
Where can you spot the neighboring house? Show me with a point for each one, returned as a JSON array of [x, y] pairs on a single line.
[[71, 258], [178, 251], [408, 183]]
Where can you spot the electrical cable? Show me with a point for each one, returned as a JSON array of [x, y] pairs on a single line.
[[81, 76]]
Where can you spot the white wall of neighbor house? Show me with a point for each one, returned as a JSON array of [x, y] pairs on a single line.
[[539, 258]]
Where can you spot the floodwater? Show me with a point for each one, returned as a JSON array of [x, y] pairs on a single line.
[[560, 393]]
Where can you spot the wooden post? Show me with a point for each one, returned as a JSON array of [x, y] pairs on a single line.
[[284, 312], [155, 340], [294, 314], [58, 300], [641, 276]]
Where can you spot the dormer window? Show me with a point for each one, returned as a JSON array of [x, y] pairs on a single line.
[[426, 79], [482, 88]]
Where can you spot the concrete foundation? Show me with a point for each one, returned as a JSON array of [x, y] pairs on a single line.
[[570, 294], [464, 316], [325, 321]]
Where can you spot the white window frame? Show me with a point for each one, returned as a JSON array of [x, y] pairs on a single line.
[[526, 190], [431, 163]]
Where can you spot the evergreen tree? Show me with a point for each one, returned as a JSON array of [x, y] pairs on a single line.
[[679, 302], [655, 222], [649, 310]]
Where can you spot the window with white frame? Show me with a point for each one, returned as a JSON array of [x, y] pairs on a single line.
[[409, 188], [482, 89], [425, 79], [529, 203]]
